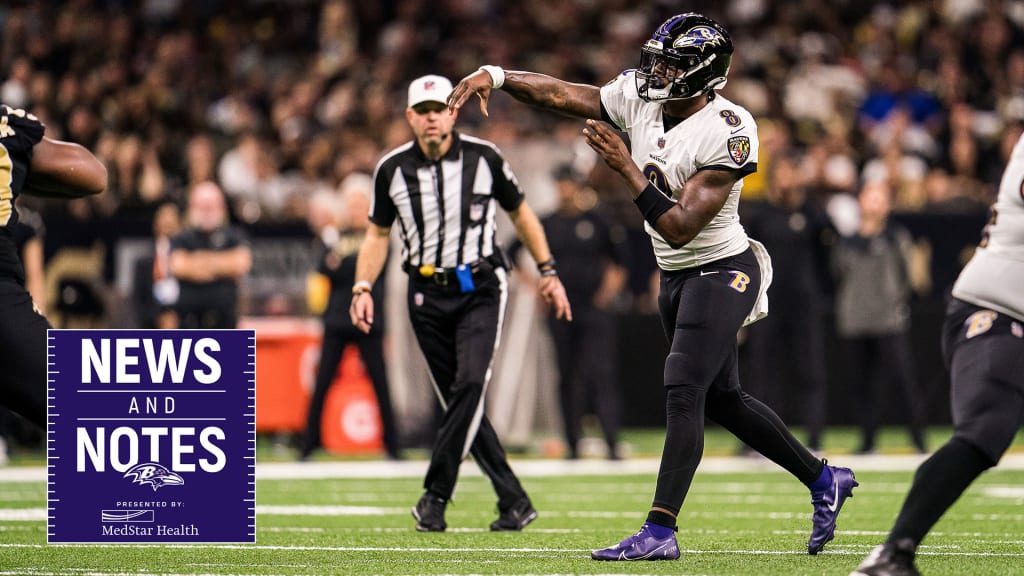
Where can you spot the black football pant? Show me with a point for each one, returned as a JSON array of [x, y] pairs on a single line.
[[701, 311], [585, 349], [371, 351], [22, 353], [987, 397], [458, 334]]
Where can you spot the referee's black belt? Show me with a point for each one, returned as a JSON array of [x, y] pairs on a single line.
[[446, 276]]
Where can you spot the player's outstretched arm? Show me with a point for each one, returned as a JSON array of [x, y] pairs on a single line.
[[541, 90], [64, 170], [678, 222]]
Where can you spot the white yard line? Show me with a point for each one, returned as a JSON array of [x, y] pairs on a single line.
[[844, 551], [538, 467]]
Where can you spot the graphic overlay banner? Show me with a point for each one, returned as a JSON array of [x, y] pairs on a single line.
[[151, 436]]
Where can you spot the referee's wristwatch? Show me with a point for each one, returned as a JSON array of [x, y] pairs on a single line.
[[361, 287], [547, 267]]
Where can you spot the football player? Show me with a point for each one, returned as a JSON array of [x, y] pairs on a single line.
[[691, 149], [983, 346], [31, 163]]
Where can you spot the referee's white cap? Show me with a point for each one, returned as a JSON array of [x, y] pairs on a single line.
[[429, 88]]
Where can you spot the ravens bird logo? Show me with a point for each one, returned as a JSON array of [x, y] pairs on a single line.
[[699, 37], [154, 475]]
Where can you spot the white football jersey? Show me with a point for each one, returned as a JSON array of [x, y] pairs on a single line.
[[994, 278], [721, 135]]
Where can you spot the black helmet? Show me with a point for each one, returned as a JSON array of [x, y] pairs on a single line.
[[688, 55]]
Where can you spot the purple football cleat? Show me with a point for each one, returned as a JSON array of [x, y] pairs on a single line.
[[640, 546], [827, 505]]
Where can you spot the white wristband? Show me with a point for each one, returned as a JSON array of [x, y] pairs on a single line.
[[361, 285], [497, 75]]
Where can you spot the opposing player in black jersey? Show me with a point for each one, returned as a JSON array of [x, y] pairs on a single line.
[[31, 163]]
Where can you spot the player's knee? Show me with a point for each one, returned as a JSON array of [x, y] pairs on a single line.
[[686, 371], [685, 392], [725, 405], [683, 402], [989, 443]]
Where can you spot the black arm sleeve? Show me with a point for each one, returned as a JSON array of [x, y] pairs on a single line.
[[745, 170]]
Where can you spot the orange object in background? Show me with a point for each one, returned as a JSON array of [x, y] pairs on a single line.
[[287, 356]]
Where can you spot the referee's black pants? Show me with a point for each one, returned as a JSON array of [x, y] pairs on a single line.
[[22, 353], [458, 333]]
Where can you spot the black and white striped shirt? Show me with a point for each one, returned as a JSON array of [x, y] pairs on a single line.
[[445, 208]]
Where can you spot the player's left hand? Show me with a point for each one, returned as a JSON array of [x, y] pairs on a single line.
[[608, 144], [553, 292]]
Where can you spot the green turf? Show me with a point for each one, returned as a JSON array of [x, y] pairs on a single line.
[[744, 524]]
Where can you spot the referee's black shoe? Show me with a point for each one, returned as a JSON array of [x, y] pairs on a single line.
[[429, 513], [515, 517]]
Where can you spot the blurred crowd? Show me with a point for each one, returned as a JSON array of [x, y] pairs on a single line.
[[279, 100]]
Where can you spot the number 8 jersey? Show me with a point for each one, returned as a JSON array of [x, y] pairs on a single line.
[[720, 136], [994, 277]]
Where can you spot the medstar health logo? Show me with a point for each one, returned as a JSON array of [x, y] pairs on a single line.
[[154, 475]]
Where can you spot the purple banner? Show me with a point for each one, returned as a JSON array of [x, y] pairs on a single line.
[[151, 436]]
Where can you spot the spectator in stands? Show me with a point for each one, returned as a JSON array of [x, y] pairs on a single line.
[[252, 179], [200, 159]]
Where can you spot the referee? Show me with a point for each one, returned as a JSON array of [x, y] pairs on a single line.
[[442, 188]]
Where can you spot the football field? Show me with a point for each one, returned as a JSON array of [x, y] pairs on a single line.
[[743, 517]]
